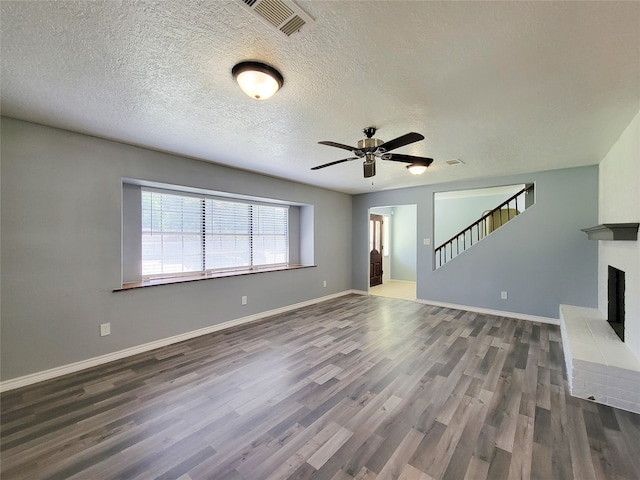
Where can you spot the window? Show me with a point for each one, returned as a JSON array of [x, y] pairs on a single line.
[[188, 233]]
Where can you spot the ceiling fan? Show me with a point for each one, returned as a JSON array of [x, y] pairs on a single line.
[[371, 148]]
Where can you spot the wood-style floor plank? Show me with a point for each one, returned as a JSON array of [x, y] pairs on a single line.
[[366, 388]]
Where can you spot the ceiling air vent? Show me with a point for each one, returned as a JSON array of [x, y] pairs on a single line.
[[282, 15], [455, 161]]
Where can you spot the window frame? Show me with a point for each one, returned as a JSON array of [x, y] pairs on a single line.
[[301, 232], [251, 225]]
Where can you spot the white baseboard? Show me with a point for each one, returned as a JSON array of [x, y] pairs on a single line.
[[487, 311], [127, 352]]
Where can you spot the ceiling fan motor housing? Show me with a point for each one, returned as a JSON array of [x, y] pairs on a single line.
[[369, 144]]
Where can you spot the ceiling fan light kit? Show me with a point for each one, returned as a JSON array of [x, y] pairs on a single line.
[[258, 80], [371, 148], [416, 169]]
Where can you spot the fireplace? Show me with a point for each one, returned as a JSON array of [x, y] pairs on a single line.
[[616, 301]]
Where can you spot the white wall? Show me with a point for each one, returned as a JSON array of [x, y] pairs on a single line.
[[619, 202], [387, 222], [61, 250]]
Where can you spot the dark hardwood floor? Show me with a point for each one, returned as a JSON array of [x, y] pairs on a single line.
[[356, 387]]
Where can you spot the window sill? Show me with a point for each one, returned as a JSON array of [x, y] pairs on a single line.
[[200, 277]]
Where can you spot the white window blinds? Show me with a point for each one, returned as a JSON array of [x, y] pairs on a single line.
[[228, 235], [270, 235], [171, 234], [186, 234]]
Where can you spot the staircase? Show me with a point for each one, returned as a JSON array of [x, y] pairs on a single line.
[[489, 222]]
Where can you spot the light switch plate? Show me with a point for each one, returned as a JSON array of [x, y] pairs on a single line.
[[105, 329]]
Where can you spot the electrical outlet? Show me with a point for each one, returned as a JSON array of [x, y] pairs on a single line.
[[105, 329], [426, 241], [324, 284], [503, 295], [244, 300]]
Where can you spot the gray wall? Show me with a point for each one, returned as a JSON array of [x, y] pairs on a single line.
[[403, 243], [61, 249], [541, 260]]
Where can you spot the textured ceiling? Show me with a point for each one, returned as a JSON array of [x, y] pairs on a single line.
[[507, 87]]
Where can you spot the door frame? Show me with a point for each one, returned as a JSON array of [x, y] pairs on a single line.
[[377, 211], [376, 239]]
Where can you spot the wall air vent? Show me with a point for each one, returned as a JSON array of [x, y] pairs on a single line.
[[282, 15]]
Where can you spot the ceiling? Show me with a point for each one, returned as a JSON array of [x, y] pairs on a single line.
[[506, 87]]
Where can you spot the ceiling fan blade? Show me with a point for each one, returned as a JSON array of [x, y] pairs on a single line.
[[337, 145], [398, 157], [402, 141], [334, 163]]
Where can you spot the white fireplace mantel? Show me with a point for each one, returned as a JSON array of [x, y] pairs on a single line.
[[613, 231]]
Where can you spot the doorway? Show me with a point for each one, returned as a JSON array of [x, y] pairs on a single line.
[[375, 249], [393, 251]]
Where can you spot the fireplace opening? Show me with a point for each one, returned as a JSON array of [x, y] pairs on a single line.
[[616, 301]]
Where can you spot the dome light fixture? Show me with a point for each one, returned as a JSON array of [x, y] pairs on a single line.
[[417, 168], [257, 80]]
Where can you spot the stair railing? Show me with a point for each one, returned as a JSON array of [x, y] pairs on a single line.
[[465, 238]]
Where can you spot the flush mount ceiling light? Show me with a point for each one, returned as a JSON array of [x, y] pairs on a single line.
[[257, 80]]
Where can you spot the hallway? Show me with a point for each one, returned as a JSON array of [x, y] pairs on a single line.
[[395, 289]]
